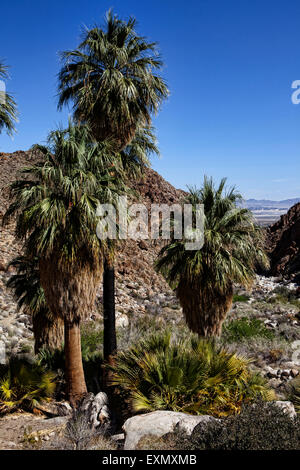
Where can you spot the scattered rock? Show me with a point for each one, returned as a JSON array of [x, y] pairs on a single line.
[[96, 408], [159, 423], [288, 408]]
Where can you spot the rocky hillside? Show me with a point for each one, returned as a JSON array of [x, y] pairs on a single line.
[[283, 240], [263, 324], [139, 288]]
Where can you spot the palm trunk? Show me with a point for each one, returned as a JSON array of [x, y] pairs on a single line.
[[48, 333], [204, 309], [76, 386], [109, 318]]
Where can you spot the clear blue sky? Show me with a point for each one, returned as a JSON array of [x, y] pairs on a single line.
[[229, 65]]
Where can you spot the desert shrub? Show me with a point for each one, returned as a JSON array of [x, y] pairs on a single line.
[[284, 295], [23, 385], [193, 376], [240, 298], [91, 340], [52, 359], [78, 432], [166, 442], [262, 426], [80, 435], [294, 392], [289, 331], [259, 348], [92, 365], [139, 326], [236, 330]]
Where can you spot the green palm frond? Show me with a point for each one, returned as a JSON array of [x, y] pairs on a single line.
[[24, 385], [56, 201], [8, 106], [112, 80], [233, 249], [47, 328], [193, 375]]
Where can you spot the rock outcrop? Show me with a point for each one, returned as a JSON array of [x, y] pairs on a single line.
[[283, 242], [159, 423], [139, 289]]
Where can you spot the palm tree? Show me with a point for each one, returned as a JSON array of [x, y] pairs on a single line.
[[112, 81], [55, 204], [48, 329], [8, 107], [134, 159], [204, 278]]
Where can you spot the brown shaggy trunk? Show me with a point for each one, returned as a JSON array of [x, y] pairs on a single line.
[[76, 386], [121, 135], [204, 310], [70, 291], [48, 332]]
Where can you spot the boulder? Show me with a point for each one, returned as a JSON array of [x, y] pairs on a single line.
[[159, 423], [283, 243], [96, 408], [287, 407]]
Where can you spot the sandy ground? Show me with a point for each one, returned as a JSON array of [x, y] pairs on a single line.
[[27, 431]]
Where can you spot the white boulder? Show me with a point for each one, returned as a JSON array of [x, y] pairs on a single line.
[[287, 407], [159, 423]]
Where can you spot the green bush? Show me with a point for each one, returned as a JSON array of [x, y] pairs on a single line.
[[52, 359], [193, 376], [241, 328], [262, 426], [284, 295], [92, 365], [240, 298], [23, 385], [91, 340]]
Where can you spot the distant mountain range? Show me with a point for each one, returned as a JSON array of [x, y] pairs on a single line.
[[263, 204], [266, 211]]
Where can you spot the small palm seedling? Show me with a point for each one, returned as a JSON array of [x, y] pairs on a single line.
[[24, 385]]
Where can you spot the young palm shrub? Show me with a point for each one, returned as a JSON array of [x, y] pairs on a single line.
[[24, 385], [8, 107], [192, 376], [48, 329], [203, 279], [55, 205]]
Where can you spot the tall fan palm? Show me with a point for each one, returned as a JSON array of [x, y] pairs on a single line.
[[232, 248], [134, 159], [56, 215], [113, 83], [111, 80], [8, 107], [48, 329]]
